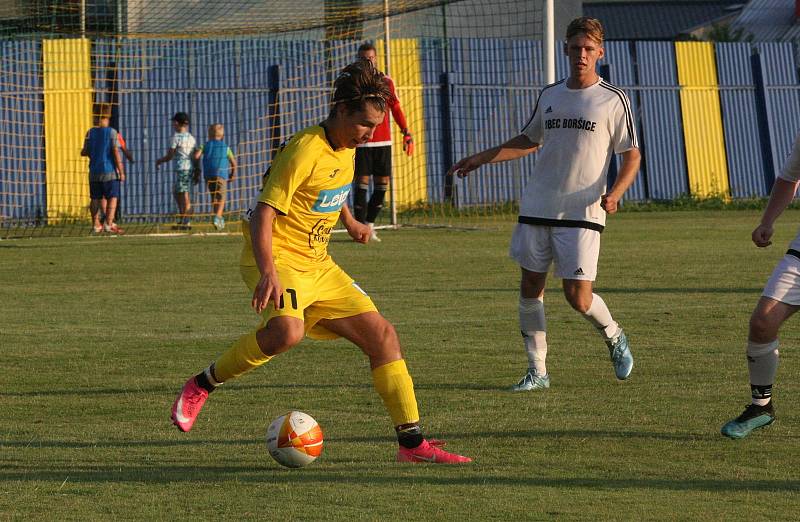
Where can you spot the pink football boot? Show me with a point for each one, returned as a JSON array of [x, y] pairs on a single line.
[[430, 451], [188, 404]]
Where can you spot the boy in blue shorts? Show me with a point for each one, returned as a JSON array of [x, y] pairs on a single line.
[[181, 149], [219, 167], [106, 172]]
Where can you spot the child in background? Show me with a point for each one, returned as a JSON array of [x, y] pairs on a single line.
[[219, 167], [181, 149], [105, 171]]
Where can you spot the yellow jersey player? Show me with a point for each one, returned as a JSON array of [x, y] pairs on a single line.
[[297, 287]]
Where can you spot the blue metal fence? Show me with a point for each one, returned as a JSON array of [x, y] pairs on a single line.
[[22, 168], [477, 93]]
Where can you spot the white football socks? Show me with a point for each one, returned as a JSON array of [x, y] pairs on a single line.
[[533, 326], [762, 362], [599, 315]]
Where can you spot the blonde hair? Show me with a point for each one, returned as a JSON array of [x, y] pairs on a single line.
[[591, 27], [216, 131]]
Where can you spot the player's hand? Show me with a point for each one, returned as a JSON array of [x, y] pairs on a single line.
[[268, 289], [762, 234], [359, 232], [465, 166], [609, 203], [121, 176], [408, 143]]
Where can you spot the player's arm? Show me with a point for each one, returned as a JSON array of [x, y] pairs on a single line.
[[198, 152], [357, 230], [196, 169], [625, 177], [269, 286], [85, 149], [117, 157], [124, 147], [166, 158], [400, 118], [232, 162], [517, 147], [781, 196]]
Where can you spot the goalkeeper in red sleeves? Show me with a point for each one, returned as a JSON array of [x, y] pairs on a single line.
[[374, 158]]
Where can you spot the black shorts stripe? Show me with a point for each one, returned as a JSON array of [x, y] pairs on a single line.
[[570, 223], [793, 252], [536, 107], [628, 114]]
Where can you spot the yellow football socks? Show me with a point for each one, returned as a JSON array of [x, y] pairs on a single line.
[[242, 357], [396, 388]]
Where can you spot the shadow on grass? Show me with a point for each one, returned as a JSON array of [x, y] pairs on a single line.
[[367, 474], [576, 434], [366, 385], [639, 291]]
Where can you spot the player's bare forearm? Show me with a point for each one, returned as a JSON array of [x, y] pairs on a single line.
[[261, 234], [268, 287], [627, 173], [357, 230], [781, 196], [631, 160], [517, 147], [118, 163], [166, 158]]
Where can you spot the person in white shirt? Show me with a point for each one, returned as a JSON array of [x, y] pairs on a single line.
[[578, 124], [779, 301]]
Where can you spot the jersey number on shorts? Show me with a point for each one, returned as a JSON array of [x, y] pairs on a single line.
[[293, 294]]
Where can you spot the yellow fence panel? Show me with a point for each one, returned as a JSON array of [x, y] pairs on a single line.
[[702, 119], [409, 174], [67, 117]]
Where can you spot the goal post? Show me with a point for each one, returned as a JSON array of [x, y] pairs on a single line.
[[467, 74]]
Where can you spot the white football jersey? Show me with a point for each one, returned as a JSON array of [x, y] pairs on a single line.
[[579, 130], [791, 173]]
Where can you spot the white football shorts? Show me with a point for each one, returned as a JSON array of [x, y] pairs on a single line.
[[784, 283], [574, 251]]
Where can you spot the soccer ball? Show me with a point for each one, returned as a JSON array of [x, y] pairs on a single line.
[[294, 440]]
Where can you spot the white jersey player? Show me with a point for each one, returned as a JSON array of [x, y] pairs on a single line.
[[780, 299], [577, 125]]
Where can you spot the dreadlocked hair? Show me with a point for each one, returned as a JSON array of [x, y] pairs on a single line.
[[357, 84]]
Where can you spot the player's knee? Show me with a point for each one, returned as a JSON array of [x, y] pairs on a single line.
[[761, 328], [274, 341], [387, 340], [579, 302]]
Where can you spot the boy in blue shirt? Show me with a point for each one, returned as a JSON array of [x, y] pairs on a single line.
[[219, 167], [106, 172], [181, 149]]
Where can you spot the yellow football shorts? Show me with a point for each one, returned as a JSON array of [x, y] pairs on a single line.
[[328, 293]]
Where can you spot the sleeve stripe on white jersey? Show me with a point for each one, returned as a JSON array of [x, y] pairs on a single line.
[[627, 105], [536, 107]]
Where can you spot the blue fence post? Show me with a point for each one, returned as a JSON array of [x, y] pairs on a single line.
[[447, 134], [273, 108], [763, 121]]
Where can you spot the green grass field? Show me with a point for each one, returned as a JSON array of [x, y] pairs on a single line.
[[99, 334]]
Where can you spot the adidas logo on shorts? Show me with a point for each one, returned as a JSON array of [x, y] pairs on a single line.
[[579, 271]]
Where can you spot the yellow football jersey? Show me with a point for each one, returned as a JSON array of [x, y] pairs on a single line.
[[308, 183]]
